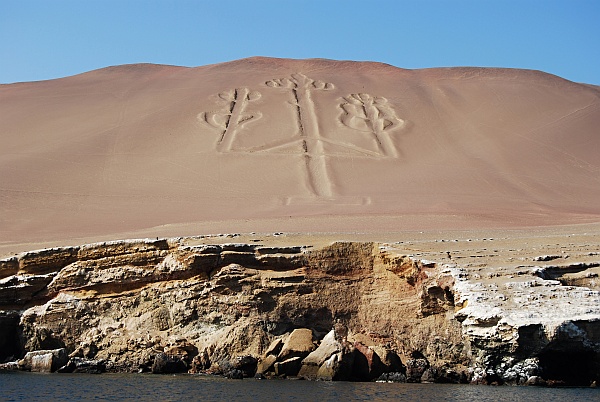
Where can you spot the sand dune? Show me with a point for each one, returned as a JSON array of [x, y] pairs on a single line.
[[306, 145]]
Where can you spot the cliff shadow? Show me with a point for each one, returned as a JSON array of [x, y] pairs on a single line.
[[10, 345], [572, 357]]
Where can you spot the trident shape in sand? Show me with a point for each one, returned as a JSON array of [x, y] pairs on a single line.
[[314, 155], [360, 111]]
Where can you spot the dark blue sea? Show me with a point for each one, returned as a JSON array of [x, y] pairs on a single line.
[[18, 386]]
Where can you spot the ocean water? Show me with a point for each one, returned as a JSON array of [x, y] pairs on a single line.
[[18, 386]]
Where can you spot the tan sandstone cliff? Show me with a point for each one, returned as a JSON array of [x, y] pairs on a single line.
[[367, 310]]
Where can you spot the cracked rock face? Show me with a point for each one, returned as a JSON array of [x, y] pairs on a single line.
[[543, 326], [349, 311]]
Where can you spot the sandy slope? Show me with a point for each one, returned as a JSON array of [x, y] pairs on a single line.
[[296, 145]]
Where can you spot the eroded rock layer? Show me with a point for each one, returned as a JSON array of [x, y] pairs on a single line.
[[346, 311]]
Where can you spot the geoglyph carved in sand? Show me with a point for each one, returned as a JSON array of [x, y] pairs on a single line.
[[362, 112], [233, 117], [372, 114], [314, 155]]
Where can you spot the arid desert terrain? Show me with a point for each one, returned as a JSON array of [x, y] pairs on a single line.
[[449, 217]]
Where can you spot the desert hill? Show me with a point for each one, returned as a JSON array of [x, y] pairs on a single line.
[[302, 218], [298, 144]]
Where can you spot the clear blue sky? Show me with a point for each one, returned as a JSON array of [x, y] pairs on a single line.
[[43, 39]]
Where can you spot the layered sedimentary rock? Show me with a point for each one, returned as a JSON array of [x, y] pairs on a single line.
[[346, 311]]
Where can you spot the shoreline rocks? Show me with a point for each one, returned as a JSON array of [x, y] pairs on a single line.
[[44, 361], [347, 311]]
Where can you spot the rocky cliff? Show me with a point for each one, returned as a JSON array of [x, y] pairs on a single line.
[[344, 311]]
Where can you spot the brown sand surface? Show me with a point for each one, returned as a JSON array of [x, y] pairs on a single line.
[[296, 146]]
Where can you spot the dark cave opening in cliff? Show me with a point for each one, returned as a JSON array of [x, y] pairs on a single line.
[[10, 347], [574, 368]]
